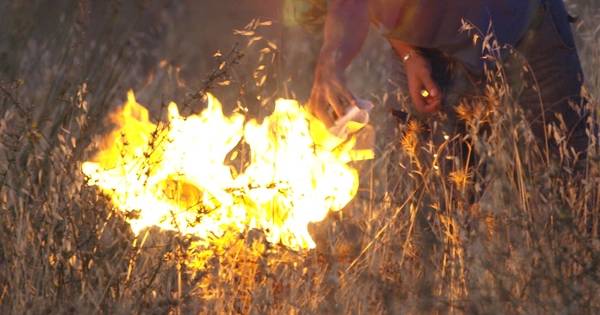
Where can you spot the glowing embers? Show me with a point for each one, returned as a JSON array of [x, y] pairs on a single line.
[[177, 176]]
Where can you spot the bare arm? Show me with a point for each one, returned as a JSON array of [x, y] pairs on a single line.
[[346, 28]]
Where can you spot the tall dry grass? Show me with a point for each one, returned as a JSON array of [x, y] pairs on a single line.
[[428, 233]]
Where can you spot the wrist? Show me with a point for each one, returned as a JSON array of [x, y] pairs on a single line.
[[408, 56], [415, 61], [327, 69], [404, 50]]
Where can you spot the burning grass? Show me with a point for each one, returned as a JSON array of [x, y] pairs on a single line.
[[177, 176], [427, 232]]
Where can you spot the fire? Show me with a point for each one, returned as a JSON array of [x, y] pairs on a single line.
[[179, 176]]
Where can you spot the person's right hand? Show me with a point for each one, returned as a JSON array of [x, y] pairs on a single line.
[[418, 73], [330, 98]]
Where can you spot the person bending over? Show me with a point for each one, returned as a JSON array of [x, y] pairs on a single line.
[[438, 58]]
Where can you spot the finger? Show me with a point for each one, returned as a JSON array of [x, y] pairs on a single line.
[[337, 101], [431, 86], [324, 116], [434, 101], [345, 99], [318, 106], [414, 89]]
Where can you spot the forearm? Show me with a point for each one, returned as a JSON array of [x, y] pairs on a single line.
[[346, 29]]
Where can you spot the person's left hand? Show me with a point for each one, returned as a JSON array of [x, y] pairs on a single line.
[[420, 82]]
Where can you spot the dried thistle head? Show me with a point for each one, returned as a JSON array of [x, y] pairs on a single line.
[[410, 139], [409, 143], [480, 111], [492, 95], [472, 112], [414, 126], [464, 112], [461, 178]]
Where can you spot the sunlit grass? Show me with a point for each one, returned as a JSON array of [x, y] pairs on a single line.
[[431, 230]]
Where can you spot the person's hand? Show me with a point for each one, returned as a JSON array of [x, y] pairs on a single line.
[[424, 92], [330, 98]]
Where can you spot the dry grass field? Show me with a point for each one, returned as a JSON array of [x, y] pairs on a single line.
[[515, 232]]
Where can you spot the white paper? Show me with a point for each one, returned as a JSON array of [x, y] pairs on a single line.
[[358, 114]]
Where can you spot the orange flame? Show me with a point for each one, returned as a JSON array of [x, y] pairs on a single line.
[[176, 176]]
